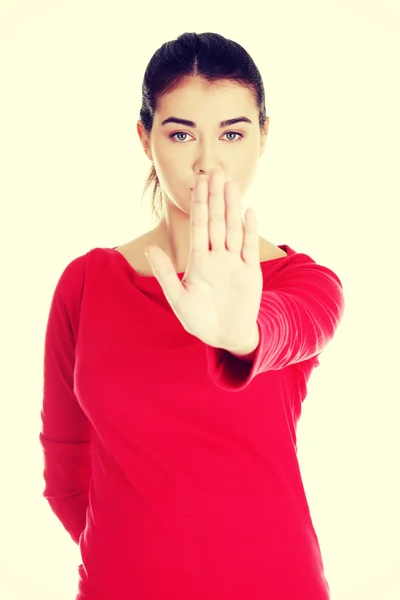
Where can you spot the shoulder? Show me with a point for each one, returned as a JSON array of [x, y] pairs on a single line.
[[133, 251], [269, 251]]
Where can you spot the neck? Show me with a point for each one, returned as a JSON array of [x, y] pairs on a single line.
[[172, 235]]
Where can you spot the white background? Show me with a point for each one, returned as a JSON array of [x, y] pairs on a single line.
[[72, 173]]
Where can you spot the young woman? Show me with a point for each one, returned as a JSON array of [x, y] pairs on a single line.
[[174, 381]]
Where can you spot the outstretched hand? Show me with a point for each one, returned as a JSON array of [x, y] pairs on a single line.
[[219, 297]]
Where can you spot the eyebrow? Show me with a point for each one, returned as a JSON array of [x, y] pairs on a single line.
[[226, 123]]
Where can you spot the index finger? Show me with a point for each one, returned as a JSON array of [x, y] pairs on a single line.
[[199, 234]]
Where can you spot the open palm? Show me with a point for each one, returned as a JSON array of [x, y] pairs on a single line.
[[219, 297]]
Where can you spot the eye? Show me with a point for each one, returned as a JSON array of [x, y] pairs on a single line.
[[226, 133]]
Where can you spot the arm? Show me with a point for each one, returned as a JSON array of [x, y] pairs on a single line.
[[249, 352], [66, 432]]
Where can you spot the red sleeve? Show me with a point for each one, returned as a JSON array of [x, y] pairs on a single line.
[[66, 431], [299, 315]]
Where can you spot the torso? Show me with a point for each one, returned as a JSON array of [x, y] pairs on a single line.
[[133, 251]]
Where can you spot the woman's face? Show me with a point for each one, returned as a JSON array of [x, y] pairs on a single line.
[[180, 152]]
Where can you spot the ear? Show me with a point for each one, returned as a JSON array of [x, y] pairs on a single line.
[[145, 139], [263, 139]]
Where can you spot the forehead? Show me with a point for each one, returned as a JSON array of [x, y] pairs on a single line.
[[193, 92]]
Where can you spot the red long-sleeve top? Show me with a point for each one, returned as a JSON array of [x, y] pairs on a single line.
[[174, 464]]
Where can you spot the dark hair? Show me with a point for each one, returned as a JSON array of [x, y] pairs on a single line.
[[208, 55]]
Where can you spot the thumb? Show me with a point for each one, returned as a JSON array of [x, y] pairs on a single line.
[[147, 255], [165, 273]]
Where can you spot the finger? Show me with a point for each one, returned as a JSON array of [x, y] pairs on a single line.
[[199, 238], [234, 222], [250, 251], [165, 274], [216, 210]]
